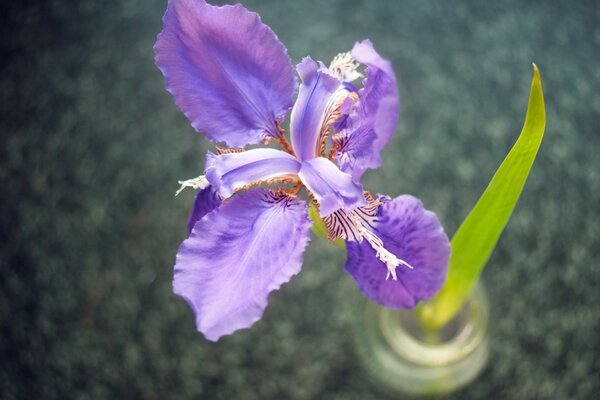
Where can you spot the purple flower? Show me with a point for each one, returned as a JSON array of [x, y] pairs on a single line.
[[234, 81]]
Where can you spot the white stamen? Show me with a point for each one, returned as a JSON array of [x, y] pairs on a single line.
[[195, 183], [390, 260], [344, 67]]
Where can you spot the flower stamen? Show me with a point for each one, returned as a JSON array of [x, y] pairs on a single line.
[[199, 182], [390, 260], [344, 67]]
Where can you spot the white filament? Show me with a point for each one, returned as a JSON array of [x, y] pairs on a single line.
[[199, 182], [390, 260]]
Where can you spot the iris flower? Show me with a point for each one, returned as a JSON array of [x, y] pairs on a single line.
[[233, 79]]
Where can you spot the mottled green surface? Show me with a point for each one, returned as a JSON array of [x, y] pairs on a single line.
[[92, 147]]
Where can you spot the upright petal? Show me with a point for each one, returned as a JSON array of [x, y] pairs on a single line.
[[373, 121], [332, 188], [414, 235], [207, 199], [226, 70], [309, 115], [232, 171], [236, 255]]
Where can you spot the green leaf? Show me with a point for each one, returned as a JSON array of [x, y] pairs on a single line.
[[476, 238], [319, 227]]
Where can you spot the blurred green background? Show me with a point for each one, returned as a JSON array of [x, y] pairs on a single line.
[[92, 147]]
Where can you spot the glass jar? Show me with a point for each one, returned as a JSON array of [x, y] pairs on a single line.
[[401, 357]]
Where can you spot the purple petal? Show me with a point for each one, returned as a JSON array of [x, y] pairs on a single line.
[[236, 255], [226, 70], [345, 110], [308, 114], [373, 121], [229, 172], [332, 188], [206, 200], [416, 236]]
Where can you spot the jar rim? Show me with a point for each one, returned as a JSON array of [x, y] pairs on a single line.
[[468, 337]]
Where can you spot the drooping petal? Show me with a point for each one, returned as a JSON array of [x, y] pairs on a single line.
[[373, 121], [236, 255], [232, 171], [315, 101], [207, 199], [412, 234], [332, 188], [226, 70]]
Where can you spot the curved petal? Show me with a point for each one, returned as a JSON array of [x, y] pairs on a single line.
[[236, 255], [332, 188], [308, 116], [413, 234], [226, 70], [232, 171], [373, 121], [207, 199]]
